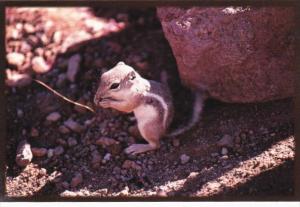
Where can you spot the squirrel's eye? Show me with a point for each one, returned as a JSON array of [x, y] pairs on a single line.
[[132, 76], [114, 85]]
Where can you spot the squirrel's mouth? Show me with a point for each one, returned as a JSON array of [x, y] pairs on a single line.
[[107, 99]]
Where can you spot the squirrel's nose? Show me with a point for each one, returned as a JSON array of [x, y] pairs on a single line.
[[97, 99]]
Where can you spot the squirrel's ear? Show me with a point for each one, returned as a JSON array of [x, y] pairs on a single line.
[[121, 63]]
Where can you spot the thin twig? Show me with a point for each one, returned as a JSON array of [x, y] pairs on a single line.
[[63, 97]]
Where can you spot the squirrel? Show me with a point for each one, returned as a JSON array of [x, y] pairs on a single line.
[[123, 89]]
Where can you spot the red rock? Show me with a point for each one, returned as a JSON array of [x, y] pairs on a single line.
[[234, 53], [38, 152], [39, 65]]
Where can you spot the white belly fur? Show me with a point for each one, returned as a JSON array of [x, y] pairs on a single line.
[[144, 114]]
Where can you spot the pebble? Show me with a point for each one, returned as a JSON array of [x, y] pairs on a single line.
[[64, 130], [73, 125], [76, 180], [96, 159], [50, 153], [15, 79], [53, 117], [24, 154], [29, 28], [105, 141], [107, 157], [73, 67], [72, 142], [39, 65], [15, 58], [226, 141], [131, 164], [224, 151], [61, 79], [20, 113], [65, 185], [57, 37], [184, 158], [39, 152], [58, 150], [34, 132], [176, 142]]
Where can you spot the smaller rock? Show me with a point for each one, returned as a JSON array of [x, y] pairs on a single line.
[[224, 151], [72, 142], [107, 157], [226, 141], [96, 159], [15, 79], [184, 159], [73, 125], [53, 117], [214, 154], [73, 67], [24, 154], [29, 28], [176, 142], [131, 164], [105, 141], [39, 152], [20, 113], [61, 79], [50, 153], [57, 37], [76, 180], [16, 59], [64, 130], [58, 150], [162, 193], [39, 65], [65, 185], [34, 132]]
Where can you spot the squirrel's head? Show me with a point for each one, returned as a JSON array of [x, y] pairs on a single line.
[[119, 88]]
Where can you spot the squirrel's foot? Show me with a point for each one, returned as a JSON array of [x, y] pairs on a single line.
[[139, 148]]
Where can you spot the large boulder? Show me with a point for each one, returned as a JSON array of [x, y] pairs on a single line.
[[237, 54]]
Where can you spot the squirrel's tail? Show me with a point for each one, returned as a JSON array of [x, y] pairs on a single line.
[[197, 109]]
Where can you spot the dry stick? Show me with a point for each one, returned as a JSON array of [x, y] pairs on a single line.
[[63, 97]]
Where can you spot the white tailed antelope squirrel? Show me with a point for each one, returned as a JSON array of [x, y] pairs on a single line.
[[123, 89]]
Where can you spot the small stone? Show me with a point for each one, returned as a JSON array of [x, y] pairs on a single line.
[[16, 59], [224, 151], [39, 152], [34, 132], [16, 79], [176, 142], [272, 134], [53, 117], [20, 113], [214, 154], [105, 141], [226, 141], [184, 158], [72, 142], [73, 67], [64, 130], [107, 157], [65, 185], [96, 159], [61, 79], [76, 180], [24, 154], [50, 153], [29, 28], [58, 150], [73, 125], [162, 193], [57, 37], [131, 164], [39, 65]]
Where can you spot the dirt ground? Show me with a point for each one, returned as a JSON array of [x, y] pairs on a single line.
[[78, 153]]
